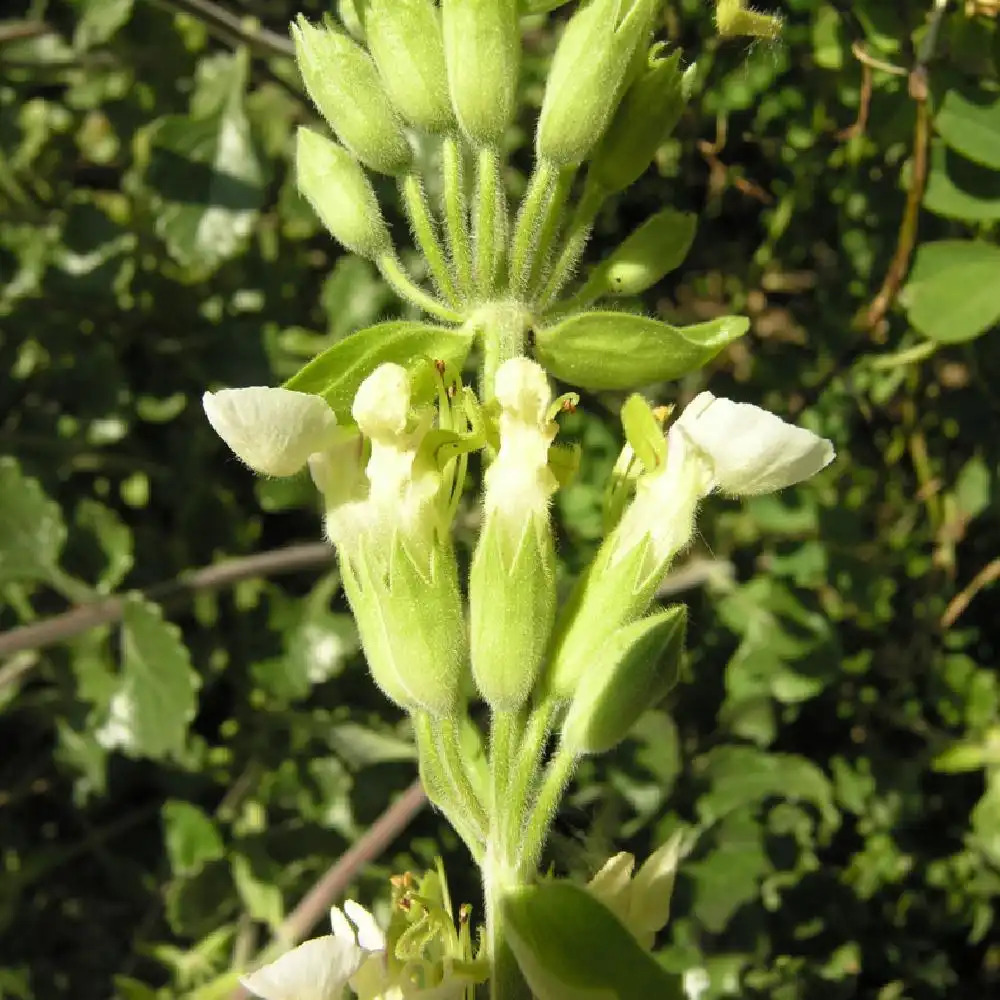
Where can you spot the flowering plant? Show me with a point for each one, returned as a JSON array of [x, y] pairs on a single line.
[[387, 427]]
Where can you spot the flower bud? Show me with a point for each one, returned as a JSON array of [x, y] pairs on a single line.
[[647, 115], [404, 38], [512, 588], [589, 70], [345, 87], [482, 45], [333, 182], [631, 672]]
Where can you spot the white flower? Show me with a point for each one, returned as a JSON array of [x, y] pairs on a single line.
[[273, 430], [320, 969], [716, 444], [519, 481], [750, 450], [316, 970]]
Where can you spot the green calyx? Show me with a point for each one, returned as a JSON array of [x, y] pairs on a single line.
[[630, 673], [648, 113]]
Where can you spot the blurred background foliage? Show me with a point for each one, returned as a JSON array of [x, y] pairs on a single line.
[[175, 778]]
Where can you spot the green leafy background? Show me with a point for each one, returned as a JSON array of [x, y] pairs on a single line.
[[173, 782]]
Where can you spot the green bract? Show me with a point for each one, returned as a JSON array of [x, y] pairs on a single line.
[[344, 84], [339, 370], [404, 38], [335, 185], [655, 249], [571, 947], [482, 44], [629, 674], [609, 350], [645, 118], [589, 71]]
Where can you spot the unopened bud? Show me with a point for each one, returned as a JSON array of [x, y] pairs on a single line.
[[345, 87], [482, 45], [404, 38], [589, 71], [631, 672], [341, 195], [647, 115]]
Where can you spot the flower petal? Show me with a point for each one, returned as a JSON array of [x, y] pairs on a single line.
[[316, 970], [751, 450], [273, 430], [370, 935]]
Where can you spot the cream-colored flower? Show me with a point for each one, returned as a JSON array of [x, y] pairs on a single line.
[[273, 430]]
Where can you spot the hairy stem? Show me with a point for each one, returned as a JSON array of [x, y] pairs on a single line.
[[425, 233], [406, 288], [456, 216]]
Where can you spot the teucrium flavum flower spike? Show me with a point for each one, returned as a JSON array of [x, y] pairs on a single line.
[[387, 429]]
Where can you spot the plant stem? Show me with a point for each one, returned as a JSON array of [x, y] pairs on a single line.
[[437, 781], [549, 229], [506, 981], [488, 229], [405, 287], [530, 218], [554, 782], [576, 239], [456, 214], [527, 759], [425, 234], [468, 797], [503, 328]]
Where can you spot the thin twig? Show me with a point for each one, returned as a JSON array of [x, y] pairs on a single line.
[[21, 31], [110, 610], [900, 264], [990, 573], [318, 900], [234, 28]]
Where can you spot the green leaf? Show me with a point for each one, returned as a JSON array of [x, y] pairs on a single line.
[[99, 20], [338, 371], [571, 947], [191, 838], [205, 174], [971, 125], [612, 350], [261, 897], [149, 714], [113, 537], [32, 532], [960, 189], [953, 294]]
